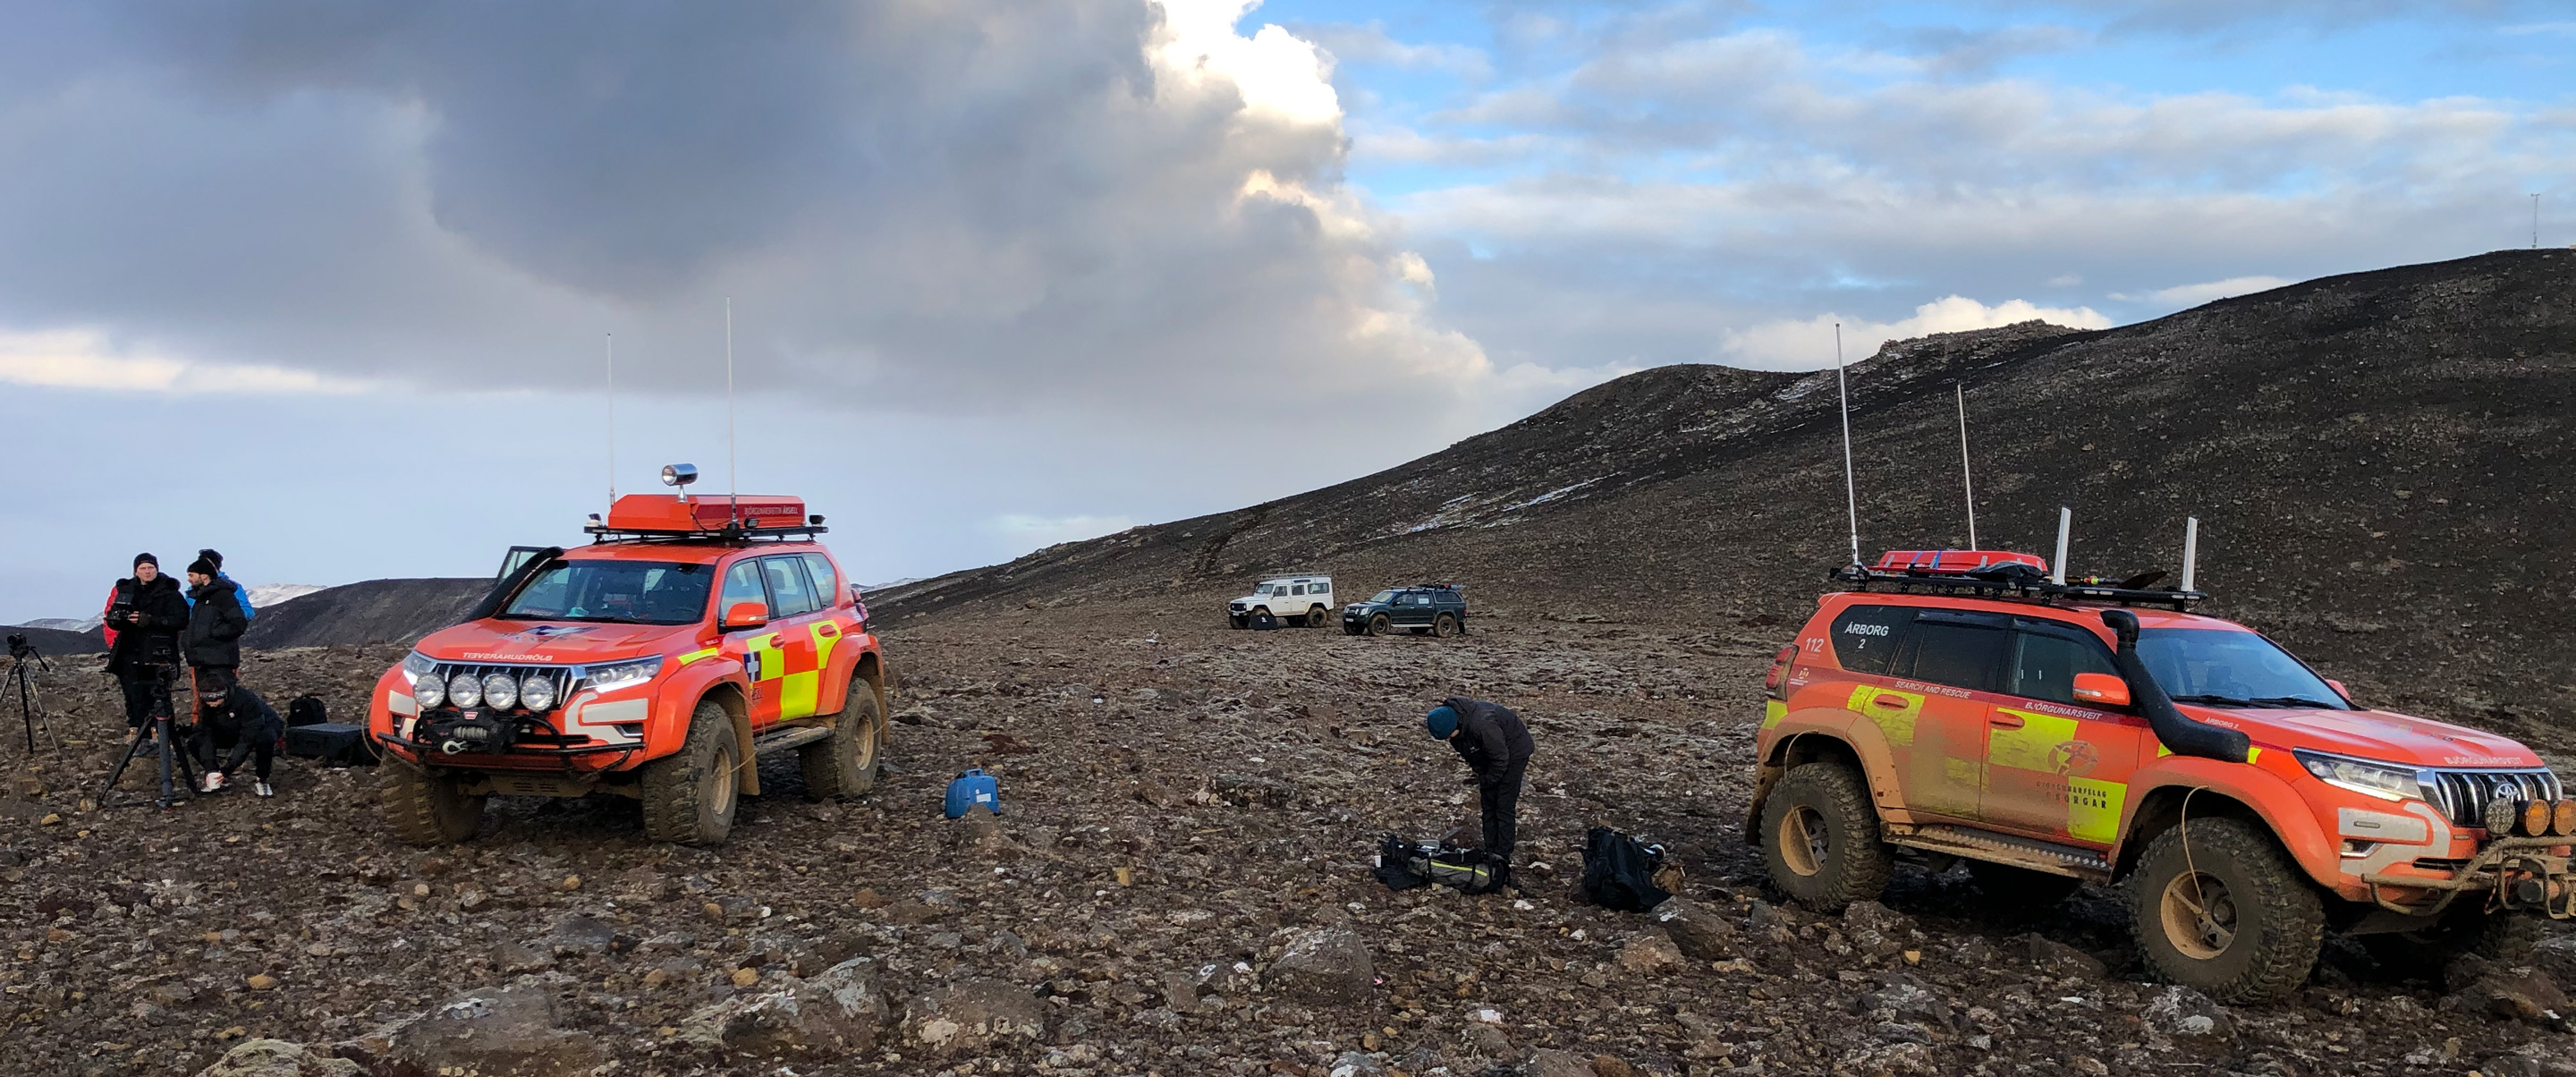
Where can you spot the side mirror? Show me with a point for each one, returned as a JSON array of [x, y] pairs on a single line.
[[2101, 690], [744, 615], [2340, 690]]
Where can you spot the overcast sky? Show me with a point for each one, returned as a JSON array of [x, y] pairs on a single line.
[[330, 285]]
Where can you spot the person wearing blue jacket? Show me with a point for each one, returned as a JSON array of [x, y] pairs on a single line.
[[216, 560]]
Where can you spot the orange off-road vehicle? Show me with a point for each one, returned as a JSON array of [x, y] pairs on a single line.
[[1964, 706], [659, 662]]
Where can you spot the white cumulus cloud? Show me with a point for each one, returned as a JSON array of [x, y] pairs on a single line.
[[1808, 344]]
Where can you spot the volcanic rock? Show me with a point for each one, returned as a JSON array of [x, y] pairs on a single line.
[[1324, 966], [278, 1058], [503, 1032], [974, 1015]]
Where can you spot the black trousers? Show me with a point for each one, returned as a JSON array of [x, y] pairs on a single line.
[[147, 693], [1499, 802], [259, 746]]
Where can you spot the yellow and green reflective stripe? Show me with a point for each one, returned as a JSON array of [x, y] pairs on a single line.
[[693, 656]]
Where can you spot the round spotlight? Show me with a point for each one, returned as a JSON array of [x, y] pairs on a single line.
[[464, 691], [538, 693], [2562, 819], [2535, 817], [2499, 816], [501, 691], [428, 691], [679, 474]]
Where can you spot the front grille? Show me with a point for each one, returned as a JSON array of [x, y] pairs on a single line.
[[2463, 795], [566, 683]]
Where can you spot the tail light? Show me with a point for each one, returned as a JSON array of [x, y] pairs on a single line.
[[1776, 683]]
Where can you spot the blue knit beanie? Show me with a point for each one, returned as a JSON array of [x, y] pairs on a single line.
[[1442, 721]]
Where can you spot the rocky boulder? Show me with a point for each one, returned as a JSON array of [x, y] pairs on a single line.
[[1696, 929], [278, 1058], [1324, 966], [970, 1016], [835, 1013], [495, 1032]]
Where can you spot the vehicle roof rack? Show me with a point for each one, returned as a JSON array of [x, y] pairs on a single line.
[[2004, 576], [602, 535], [1436, 587]]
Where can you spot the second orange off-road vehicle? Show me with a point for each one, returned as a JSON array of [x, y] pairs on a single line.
[[1966, 706], [657, 663]]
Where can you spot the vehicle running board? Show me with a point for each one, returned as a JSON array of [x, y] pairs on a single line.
[[779, 740], [2021, 852]]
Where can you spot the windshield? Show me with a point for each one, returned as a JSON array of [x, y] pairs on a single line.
[[2211, 666], [619, 592], [1384, 597]]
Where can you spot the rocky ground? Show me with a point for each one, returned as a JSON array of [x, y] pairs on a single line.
[[1178, 884]]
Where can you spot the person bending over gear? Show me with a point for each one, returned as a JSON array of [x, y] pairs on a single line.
[[144, 617], [1497, 746], [215, 627], [237, 719]]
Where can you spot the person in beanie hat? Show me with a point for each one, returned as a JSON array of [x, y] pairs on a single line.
[[1497, 747], [144, 616], [237, 719], [216, 560], [215, 627]]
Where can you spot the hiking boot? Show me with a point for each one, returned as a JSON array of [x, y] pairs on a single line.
[[214, 782], [263, 789]]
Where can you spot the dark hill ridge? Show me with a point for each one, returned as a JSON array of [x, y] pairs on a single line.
[[376, 611], [2380, 462]]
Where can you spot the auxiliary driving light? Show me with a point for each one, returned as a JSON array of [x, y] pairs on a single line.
[[2535, 817], [428, 691], [501, 691], [2562, 819], [2499, 816], [464, 691], [539, 693]]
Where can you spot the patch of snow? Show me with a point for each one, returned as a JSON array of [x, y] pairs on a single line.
[[270, 594], [66, 624]]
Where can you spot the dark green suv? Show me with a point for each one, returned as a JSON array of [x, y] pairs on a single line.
[[1438, 609]]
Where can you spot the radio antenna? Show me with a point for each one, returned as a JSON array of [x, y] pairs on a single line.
[[2065, 531], [1966, 479], [1851, 493], [733, 475], [612, 418], [2190, 551]]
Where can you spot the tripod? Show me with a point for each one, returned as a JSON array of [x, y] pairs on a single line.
[[31, 705], [159, 730]]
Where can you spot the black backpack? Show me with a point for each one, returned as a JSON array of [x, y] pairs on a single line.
[[1404, 865], [1618, 872], [306, 709]]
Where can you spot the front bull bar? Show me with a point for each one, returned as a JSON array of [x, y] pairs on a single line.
[[2520, 874]]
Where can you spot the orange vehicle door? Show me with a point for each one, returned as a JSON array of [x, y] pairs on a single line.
[[758, 647], [2054, 768], [797, 635], [1946, 670]]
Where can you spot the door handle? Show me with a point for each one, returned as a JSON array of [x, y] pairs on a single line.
[[2005, 721], [1888, 701]]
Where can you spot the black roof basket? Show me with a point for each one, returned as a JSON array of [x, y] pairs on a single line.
[[2018, 581]]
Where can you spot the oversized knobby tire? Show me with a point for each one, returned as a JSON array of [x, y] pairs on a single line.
[[422, 808], [845, 764], [1444, 626], [1379, 625], [2010, 889], [2467, 929], [1238, 620], [2221, 909], [690, 795], [1316, 617], [1820, 838]]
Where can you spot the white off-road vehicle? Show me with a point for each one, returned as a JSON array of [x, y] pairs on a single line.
[[1296, 600]]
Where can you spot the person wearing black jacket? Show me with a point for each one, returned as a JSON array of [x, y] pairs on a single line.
[[145, 615], [236, 718], [1497, 746], [215, 627]]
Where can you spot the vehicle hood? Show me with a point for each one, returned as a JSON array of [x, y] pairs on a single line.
[[2372, 734], [553, 642], [1364, 607], [1249, 600]]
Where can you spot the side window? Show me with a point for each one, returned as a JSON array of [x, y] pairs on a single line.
[[826, 584], [742, 584], [1865, 637], [1956, 652], [2046, 659], [1298, 589], [788, 586]]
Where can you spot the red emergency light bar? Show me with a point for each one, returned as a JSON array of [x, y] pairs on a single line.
[[1954, 562], [671, 514]]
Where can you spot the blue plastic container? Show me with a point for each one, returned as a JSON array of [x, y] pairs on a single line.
[[972, 788]]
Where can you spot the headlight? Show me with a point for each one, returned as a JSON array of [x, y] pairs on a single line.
[[426, 688], [2387, 781], [501, 691], [417, 665], [538, 693], [624, 673], [464, 691]]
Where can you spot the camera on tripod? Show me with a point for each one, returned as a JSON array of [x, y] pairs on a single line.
[[20, 649]]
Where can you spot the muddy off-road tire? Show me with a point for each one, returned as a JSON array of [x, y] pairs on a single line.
[[2010, 889], [427, 809], [1820, 838], [1238, 622], [2466, 930], [2229, 916], [1444, 626], [845, 764], [1379, 625], [1316, 617], [690, 795]]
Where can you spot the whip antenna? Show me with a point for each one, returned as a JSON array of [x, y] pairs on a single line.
[[1966, 479], [2190, 550], [733, 476], [2065, 530], [612, 417], [1851, 493]]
